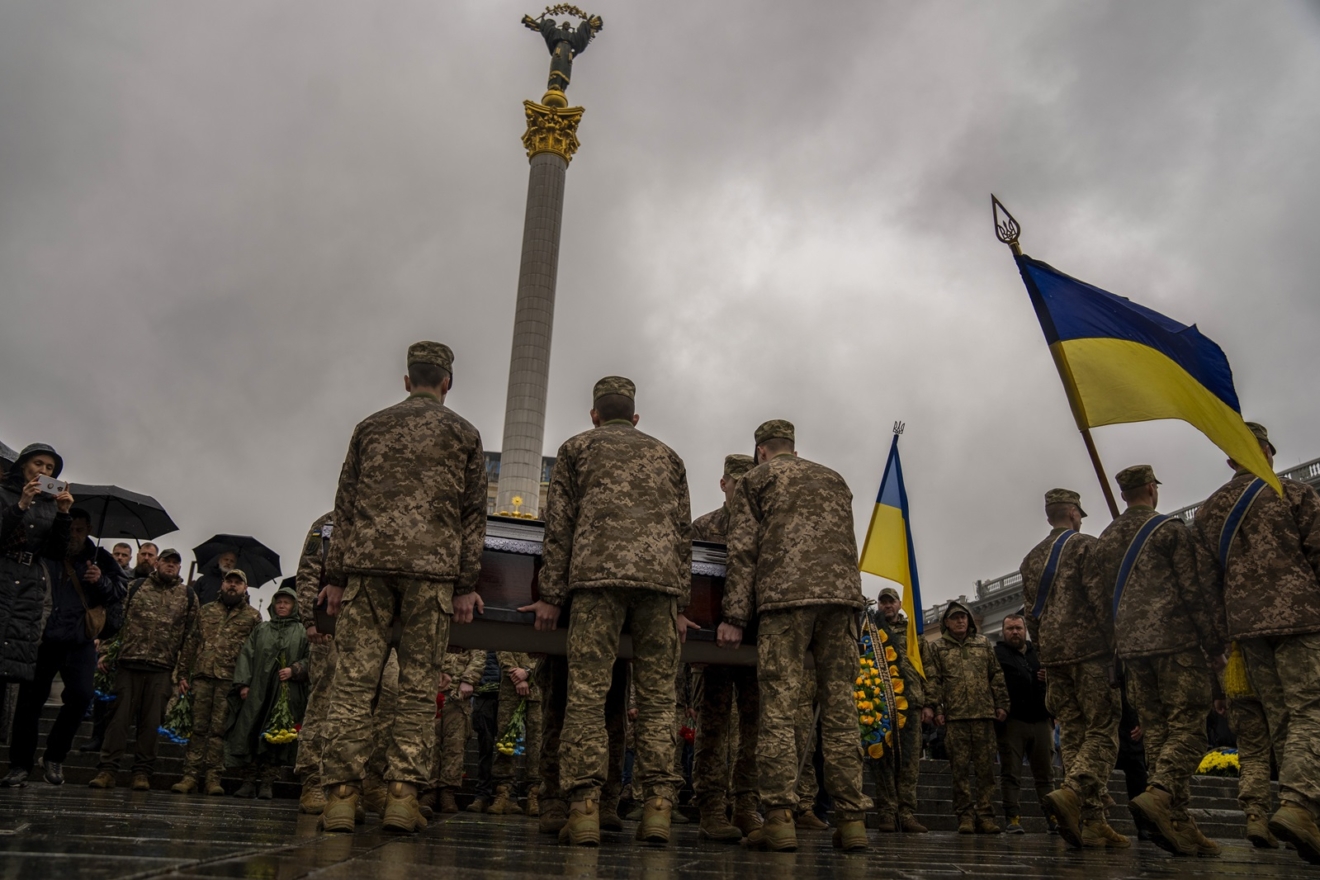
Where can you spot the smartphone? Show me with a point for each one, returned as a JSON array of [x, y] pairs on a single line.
[[52, 486]]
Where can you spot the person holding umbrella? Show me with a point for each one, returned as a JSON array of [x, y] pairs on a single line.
[[222, 554]]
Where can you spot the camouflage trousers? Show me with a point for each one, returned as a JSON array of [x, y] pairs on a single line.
[[784, 638], [1285, 674], [1087, 708], [1171, 695], [312, 738], [804, 740], [596, 619], [206, 746], [1247, 720], [896, 773], [552, 679], [382, 716], [362, 635], [452, 730], [971, 747], [502, 772], [730, 709]]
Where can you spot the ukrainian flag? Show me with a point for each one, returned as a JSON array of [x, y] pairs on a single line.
[[887, 551], [1121, 362]]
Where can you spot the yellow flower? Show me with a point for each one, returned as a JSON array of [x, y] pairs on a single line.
[[859, 681], [902, 721], [890, 654], [893, 672], [875, 750], [866, 704], [900, 703], [889, 737], [898, 685], [884, 637], [866, 720]]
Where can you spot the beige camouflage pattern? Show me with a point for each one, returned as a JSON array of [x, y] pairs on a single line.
[[1135, 477], [502, 767], [411, 501], [617, 516], [158, 618], [830, 632], [1076, 624], [210, 708], [804, 741], [965, 681], [212, 647], [712, 526], [1171, 694], [1088, 711], [362, 636], [383, 712], [310, 576], [614, 385], [1247, 720], [552, 678], [972, 747], [312, 738], [791, 541], [436, 353], [1166, 606], [1271, 586], [454, 724], [729, 708], [1285, 675], [596, 618], [781, 429]]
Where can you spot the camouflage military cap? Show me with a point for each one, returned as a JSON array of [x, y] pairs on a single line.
[[436, 353], [166, 554], [891, 593], [1065, 496], [1262, 435], [236, 573], [775, 429], [736, 465], [614, 385], [1135, 477]]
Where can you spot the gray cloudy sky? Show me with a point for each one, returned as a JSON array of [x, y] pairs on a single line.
[[221, 224]]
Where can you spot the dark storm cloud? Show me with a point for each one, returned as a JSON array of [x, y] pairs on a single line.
[[220, 226]]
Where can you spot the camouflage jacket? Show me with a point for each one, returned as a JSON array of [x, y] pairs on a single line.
[[1272, 585], [463, 667], [213, 644], [412, 497], [511, 660], [159, 614], [311, 568], [1166, 607], [617, 515], [1077, 623], [914, 685], [964, 681], [791, 541], [713, 526]]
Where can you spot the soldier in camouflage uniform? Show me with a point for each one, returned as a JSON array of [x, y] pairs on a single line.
[[726, 691], [1073, 628], [793, 562], [410, 527], [159, 613], [1269, 572], [516, 685], [898, 770], [618, 538], [206, 667], [1165, 626], [808, 780], [1251, 727], [460, 673], [965, 687], [321, 664]]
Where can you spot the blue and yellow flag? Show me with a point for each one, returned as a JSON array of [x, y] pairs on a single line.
[[1121, 362], [887, 551]]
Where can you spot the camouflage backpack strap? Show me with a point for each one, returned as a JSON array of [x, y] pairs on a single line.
[[1133, 551], [1234, 520], [1050, 573]]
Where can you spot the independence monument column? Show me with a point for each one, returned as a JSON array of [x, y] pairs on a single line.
[[551, 140]]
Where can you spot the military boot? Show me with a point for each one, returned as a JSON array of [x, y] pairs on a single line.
[[186, 785], [341, 808], [141, 782], [1258, 832], [1099, 833], [886, 823], [505, 803], [375, 795], [807, 820], [266, 790], [402, 813], [582, 828], [1064, 808], [746, 821], [312, 799], [987, 825], [214, 788], [427, 799], [656, 817], [966, 824], [1205, 847], [1152, 811], [1293, 823], [533, 807], [554, 813], [479, 804], [247, 790], [104, 779], [448, 803], [909, 824], [714, 824], [778, 833], [849, 835], [609, 814]]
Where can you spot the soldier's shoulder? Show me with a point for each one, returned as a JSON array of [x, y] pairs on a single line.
[[461, 425]]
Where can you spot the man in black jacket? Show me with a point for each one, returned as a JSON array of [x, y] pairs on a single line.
[[1027, 731], [86, 577]]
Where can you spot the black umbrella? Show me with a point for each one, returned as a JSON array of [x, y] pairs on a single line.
[[119, 513], [255, 559], [8, 456]]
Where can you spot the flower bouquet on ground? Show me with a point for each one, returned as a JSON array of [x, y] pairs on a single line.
[[104, 682], [280, 727], [1220, 762], [178, 719], [511, 741], [878, 693]]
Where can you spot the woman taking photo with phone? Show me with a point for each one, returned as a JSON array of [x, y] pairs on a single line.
[[34, 522]]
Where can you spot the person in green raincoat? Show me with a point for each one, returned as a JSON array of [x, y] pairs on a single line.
[[273, 659]]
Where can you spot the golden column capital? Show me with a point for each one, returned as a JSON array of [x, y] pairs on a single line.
[[551, 129]]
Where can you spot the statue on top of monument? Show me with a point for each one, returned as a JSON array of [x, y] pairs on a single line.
[[564, 40]]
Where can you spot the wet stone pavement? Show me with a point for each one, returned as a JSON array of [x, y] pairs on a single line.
[[72, 832]]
